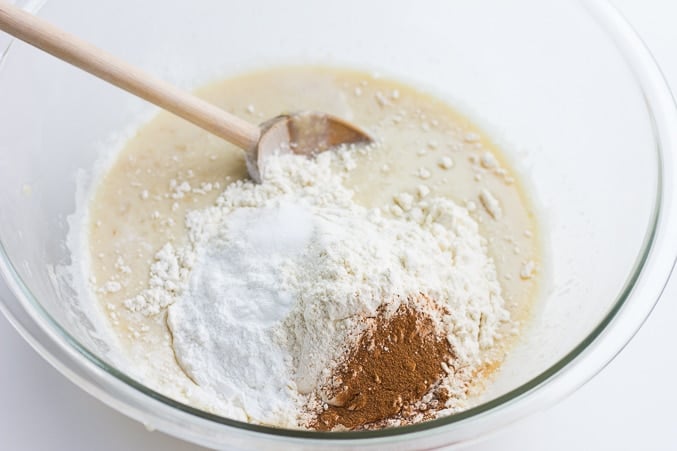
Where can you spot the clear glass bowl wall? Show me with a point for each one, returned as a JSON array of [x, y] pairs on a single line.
[[577, 114]]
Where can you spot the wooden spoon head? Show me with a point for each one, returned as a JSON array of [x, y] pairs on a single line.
[[305, 133]]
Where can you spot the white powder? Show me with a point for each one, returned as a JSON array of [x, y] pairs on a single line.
[[225, 324], [278, 278]]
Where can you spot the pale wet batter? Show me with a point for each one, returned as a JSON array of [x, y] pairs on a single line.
[[171, 167]]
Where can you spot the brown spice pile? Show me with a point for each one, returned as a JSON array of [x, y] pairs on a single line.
[[394, 365]]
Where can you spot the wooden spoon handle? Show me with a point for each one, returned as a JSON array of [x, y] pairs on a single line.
[[89, 58]]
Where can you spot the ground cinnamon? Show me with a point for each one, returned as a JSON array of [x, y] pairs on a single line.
[[394, 365]]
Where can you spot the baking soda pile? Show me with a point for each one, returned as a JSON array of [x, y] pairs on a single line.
[[282, 279]]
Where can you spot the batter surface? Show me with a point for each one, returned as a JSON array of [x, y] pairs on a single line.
[[171, 167]]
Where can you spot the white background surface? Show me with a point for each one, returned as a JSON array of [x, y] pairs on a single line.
[[631, 405]]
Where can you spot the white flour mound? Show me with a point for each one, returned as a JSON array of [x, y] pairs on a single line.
[[279, 276]]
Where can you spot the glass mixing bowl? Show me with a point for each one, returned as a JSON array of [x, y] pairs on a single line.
[[568, 87]]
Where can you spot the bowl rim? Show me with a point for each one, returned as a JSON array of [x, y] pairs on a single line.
[[650, 273]]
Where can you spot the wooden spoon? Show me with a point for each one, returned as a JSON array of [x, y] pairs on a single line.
[[303, 133]]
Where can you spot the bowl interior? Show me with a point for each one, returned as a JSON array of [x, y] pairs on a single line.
[[542, 78]]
